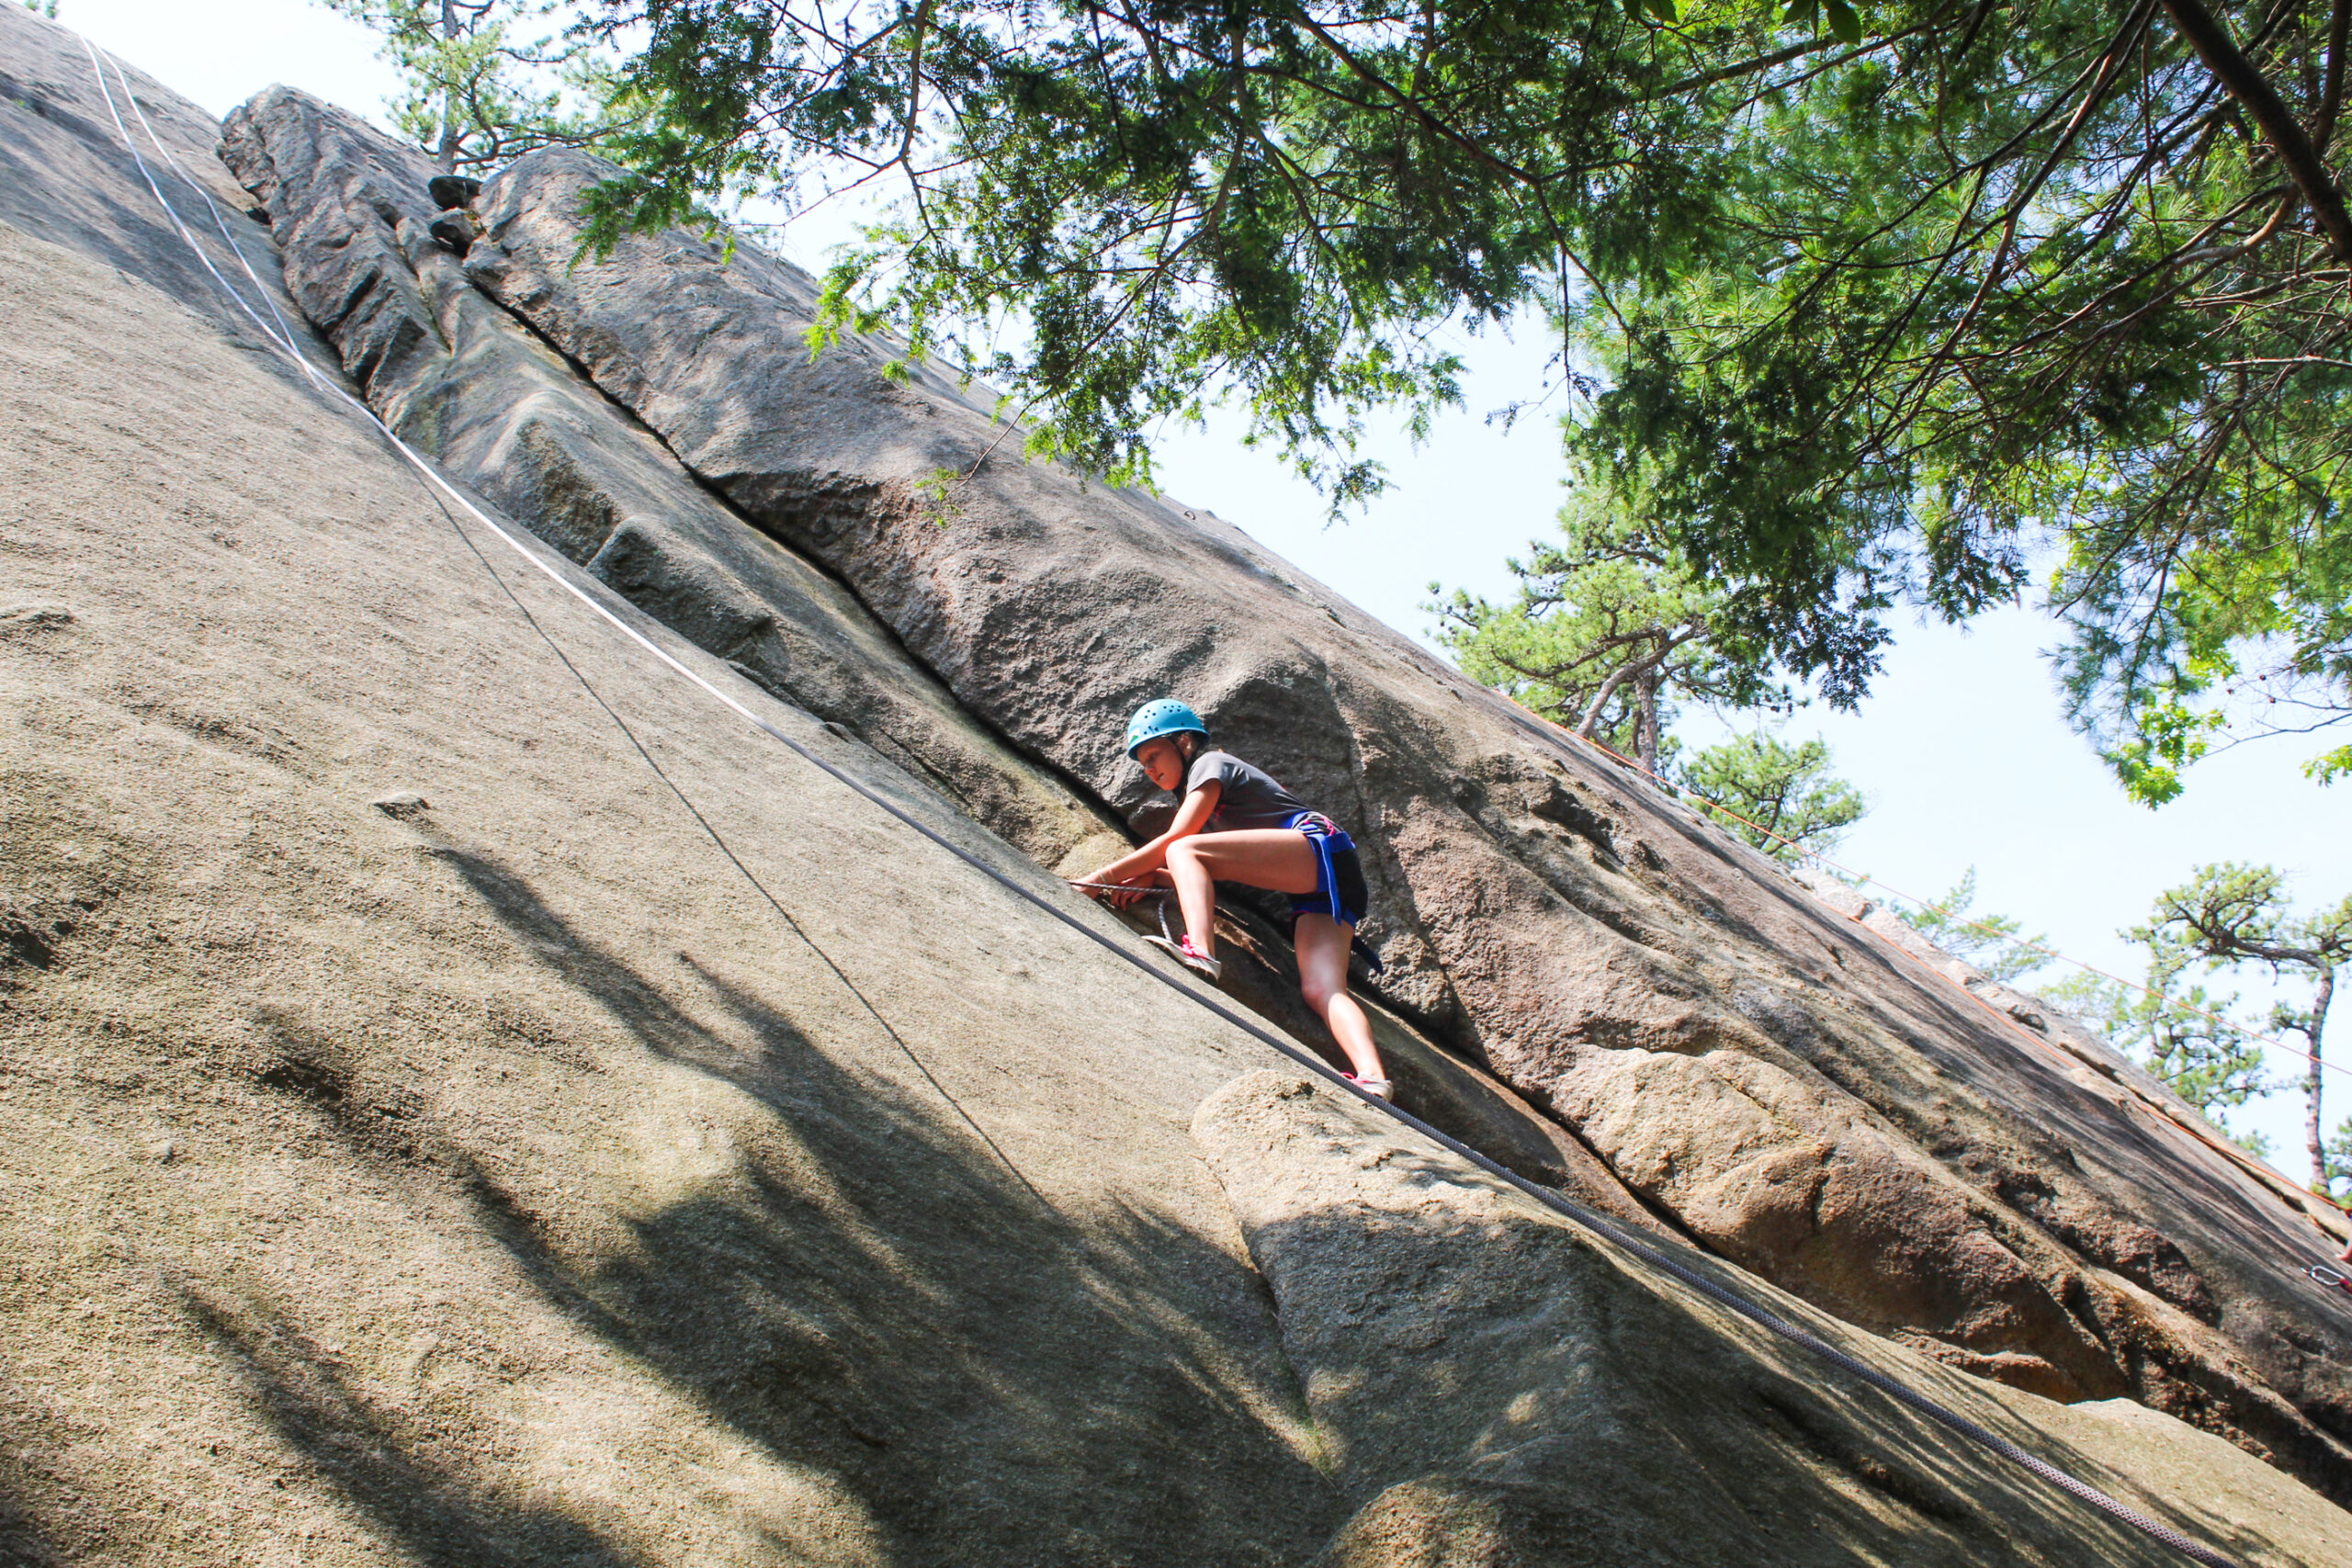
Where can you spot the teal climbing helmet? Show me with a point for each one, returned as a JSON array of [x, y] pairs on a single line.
[[1162, 715]]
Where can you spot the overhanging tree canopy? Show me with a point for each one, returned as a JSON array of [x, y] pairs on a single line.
[[1876, 314]]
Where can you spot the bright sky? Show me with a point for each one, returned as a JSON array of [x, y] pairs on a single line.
[[1960, 749]]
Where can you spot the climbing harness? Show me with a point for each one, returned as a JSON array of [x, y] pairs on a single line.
[[1576, 1214], [1338, 884]]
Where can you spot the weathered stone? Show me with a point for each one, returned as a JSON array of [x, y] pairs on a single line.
[[456, 229], [448, 191], [1791, 1088], [537, 1194], [28, 621], [463, 381], [404, 805], [1496, 1386], [684, 1164]]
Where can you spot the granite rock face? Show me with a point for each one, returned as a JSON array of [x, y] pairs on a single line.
[[423, 1141], [462, 380], [1791, 1089], [467, 1098], [1497, 1386]]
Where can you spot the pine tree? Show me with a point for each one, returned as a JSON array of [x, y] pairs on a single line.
[[1994, 944], [1608, 632], [2227, 916], [486, 81], [1780, 798]]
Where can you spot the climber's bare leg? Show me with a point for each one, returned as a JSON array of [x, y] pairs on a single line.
[[1276, 859], [1322, 945]]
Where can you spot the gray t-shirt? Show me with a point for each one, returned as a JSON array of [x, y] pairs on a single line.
[[1249, 798]]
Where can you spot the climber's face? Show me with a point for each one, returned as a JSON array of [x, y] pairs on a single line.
[[1163, 762]]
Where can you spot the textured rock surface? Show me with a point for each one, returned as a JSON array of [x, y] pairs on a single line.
[[419, 1137], [420, 1141], [1495, 1386], [1798, 1093], [461, 379]]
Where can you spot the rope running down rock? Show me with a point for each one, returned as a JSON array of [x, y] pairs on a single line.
[[284, 341], [1576, 1214]]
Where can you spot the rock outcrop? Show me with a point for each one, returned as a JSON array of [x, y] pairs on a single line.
[[1785, 1086], [1568, 1370], [469, 1098], [461, 380], [465, 381], [425, 1143]]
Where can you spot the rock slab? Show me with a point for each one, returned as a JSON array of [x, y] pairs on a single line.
[[1493, 1385], [1805, 1097], [467, 1099]]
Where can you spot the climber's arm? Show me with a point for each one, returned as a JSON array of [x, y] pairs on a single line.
[[1138, 868]]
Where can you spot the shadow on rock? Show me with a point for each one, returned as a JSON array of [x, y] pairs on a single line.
[[439, 1516], [23, 1542], [1499, 1386], [875, 1294]]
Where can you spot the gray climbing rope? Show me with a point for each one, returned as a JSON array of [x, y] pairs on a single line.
[[1575, 1212]]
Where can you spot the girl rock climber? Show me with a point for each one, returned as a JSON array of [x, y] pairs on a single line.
[[1235, 824]]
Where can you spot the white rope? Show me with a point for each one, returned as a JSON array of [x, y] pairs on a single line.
[[1585, 1218], [405, 450]]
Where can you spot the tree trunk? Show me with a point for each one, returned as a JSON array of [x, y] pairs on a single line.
[[2312, 1123], [447, 156], [1646, 727], [2209, 37]]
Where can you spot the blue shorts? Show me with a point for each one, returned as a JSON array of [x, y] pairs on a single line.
[[1339, 889]]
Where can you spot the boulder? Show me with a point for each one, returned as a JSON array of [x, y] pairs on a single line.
[[1494, 1384], [453, 191]]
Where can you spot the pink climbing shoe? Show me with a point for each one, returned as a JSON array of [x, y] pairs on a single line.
[[1189, 955], [1379, 1089]]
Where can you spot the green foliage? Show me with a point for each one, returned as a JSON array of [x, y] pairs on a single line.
[[1608, 631], [2017, 288], [1879, 313], [2338, 1173], [2182, 1035], [42, 8], [1994, 944], [1119, 215], [486, 81], [1835, 18], [1787, 792], [2329, 766], [2227, 915]]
